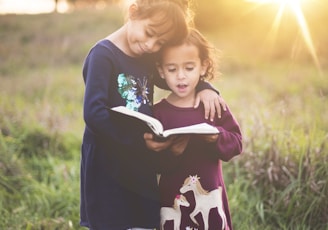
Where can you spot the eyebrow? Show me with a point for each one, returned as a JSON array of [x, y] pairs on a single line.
[[169, 64], [174, 64]]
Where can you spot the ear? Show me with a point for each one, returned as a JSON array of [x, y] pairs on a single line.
[[160, 70], [204, 67], [133, 8]]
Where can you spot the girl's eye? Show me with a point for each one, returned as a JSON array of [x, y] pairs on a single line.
[[171, 70], [149, 34], [190, 68]]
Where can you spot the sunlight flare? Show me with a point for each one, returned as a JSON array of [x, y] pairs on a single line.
[[296, 8], [32, 6]]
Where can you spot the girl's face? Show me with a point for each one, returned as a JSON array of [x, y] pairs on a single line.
[[181, 68], [143, 37]]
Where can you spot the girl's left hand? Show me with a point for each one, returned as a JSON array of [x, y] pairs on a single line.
[[212, 103], [179, 144], [154, 145], [209, 138]]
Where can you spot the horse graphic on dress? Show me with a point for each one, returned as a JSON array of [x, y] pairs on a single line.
[[174, 213], [205, 201]]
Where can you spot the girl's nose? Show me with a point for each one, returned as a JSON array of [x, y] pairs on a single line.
[[181, 74], [150, 44]]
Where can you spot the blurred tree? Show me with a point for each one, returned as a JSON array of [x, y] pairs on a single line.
[[86, 3], [56, 6], [211, 14]]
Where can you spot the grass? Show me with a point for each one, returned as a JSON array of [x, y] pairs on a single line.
[[280, 181]]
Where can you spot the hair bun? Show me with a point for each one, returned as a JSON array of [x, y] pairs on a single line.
[[186, 7]]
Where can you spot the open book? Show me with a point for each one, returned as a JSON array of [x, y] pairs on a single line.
[[157, 128]]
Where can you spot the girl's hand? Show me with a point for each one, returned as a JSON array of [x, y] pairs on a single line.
[[209, 138], [156, 145], [212, 103], [179, 144]]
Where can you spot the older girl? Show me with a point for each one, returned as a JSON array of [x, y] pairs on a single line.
[[118, 172]]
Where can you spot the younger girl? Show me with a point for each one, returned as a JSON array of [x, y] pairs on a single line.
[[118, 173], [194, 177]]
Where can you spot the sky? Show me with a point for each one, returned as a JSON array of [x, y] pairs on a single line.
[[30, 6]]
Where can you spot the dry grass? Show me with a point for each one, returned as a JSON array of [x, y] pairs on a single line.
[[280, 181]]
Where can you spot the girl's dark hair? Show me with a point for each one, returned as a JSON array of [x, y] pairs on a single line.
[[177, 15]]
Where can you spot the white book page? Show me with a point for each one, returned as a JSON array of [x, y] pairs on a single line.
[[202, 128], [153, 123]]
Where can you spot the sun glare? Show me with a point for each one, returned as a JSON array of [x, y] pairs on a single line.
[[31, 6], [295, 6]]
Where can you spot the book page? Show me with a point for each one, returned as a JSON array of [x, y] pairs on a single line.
[[202, 128], [154, 124]]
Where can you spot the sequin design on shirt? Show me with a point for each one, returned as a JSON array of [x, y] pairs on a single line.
[[133, 90]]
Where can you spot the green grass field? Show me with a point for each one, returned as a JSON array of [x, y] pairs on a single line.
[[279, 182]]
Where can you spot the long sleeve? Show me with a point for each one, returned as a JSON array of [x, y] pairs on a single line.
[[100, 74], [229, 142]]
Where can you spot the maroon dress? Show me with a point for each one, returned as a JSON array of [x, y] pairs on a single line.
[[192, 190]]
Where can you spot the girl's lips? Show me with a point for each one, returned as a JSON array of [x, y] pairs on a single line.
[[143, 49], [182, 87]]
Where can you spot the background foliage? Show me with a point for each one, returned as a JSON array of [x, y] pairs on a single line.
[[277, 94]]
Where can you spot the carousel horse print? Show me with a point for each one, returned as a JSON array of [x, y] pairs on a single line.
[[174, 213], [204, 200]]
